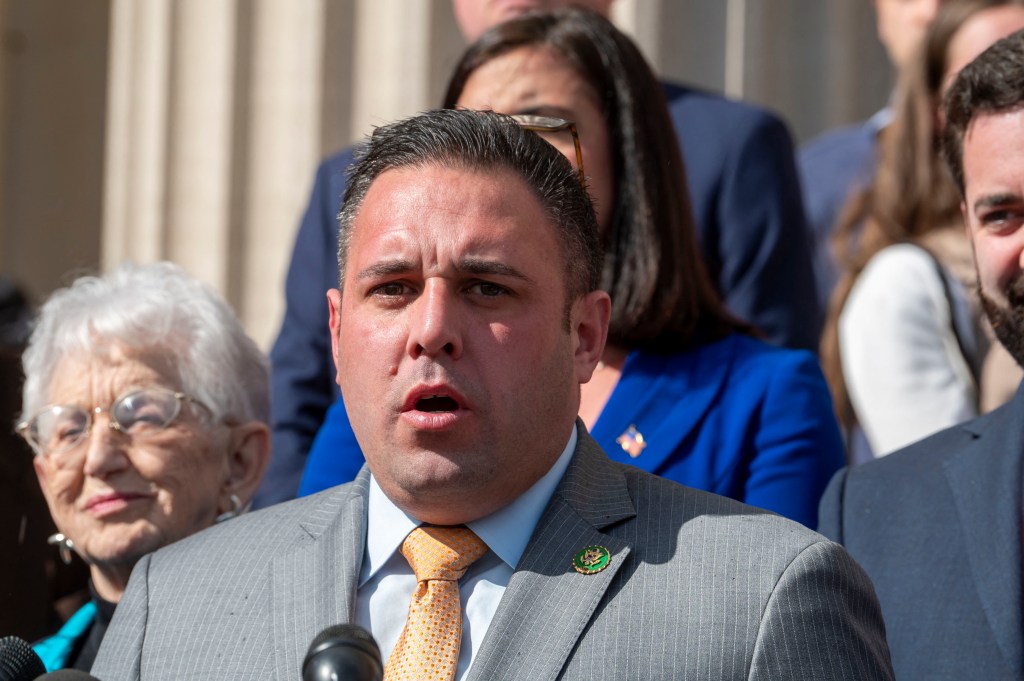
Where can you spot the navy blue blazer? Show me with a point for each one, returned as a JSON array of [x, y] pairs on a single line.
[[937, 527], [832, 168], [737, 417], [742, 177]]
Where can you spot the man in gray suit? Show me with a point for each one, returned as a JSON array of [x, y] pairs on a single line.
[[467, 317], [938, 524]]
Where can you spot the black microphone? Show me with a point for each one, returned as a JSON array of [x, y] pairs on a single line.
[[67, 675], [344, 652], [18, 662]]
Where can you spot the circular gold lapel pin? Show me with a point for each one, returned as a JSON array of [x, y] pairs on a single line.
[[591, 560]]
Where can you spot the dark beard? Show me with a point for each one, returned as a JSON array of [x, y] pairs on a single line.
[[1008, 321]]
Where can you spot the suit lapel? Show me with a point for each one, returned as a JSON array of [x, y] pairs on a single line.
[[666, 398], [547, 604], [988, 503], [314, 586]]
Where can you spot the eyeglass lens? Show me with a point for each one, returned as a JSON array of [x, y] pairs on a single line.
[[546, 125], [62, 427]]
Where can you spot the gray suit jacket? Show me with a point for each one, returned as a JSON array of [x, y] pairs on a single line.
[[699, 587]]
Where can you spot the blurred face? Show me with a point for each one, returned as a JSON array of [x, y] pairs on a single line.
[[901, 25], [978, 34], [993, 209], [476, 16], [460, 377], [536, 81], [121, 495]]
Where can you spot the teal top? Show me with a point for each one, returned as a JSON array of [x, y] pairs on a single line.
[[55, 650]]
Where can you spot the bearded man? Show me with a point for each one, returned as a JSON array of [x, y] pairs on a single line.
[[937, 526]]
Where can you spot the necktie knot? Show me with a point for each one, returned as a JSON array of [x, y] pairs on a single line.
[[442, 553]]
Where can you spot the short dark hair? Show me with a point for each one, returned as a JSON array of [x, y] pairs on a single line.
[[663, 298], [484, 142], [993, 82]]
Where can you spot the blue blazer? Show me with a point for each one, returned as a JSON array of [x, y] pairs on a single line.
[[832, 168], [741, 173], [937, 527], [737, 417]]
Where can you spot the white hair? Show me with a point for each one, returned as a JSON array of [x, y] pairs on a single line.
[[152, 308]]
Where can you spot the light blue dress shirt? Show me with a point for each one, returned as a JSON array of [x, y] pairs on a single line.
[[386, 583]]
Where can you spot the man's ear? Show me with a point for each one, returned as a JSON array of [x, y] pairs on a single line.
[[248, 456], [334, 310], [589, 319]]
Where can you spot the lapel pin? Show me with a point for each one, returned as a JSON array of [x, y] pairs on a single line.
[[632, 442], [591, 560]]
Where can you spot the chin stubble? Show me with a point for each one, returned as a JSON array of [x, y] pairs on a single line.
[[1008, 320]]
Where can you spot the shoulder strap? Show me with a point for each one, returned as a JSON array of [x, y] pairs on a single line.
[[943, 277]]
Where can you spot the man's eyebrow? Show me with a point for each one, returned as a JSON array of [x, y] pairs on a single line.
[[385, 269], [480, 266], [491, 267], [997, 201]]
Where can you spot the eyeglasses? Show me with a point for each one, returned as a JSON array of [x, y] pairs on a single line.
[[551, 124], [56, 431]]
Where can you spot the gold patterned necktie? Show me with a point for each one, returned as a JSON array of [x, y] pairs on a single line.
[[429, 645]]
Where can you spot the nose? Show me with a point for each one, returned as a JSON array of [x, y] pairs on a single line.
[[434, 323], [104, 448]]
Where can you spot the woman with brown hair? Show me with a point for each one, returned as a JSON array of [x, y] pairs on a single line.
[[903, 348]]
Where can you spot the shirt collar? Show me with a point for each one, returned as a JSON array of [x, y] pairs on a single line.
[[506, 532]]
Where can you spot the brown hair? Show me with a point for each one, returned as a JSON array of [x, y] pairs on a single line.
[[912, 193], [490, 142], [663, 299], [992, 83]]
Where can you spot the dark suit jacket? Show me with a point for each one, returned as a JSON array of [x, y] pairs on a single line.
[[699, 586], [833, 167], [743, 184], [937, 526]]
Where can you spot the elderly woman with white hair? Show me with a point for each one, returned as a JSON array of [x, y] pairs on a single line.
[[147, 405]]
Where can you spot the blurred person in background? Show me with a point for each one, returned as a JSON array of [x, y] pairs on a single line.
[[903, 347], [683, 389], [744, 192], [843, 162], [38, 592], [146, 405]]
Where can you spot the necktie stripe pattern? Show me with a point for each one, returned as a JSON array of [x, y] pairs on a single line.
[[428, 647]]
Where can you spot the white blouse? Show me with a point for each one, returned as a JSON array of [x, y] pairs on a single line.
[[905, 372]]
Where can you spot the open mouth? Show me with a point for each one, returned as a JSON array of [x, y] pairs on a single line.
[[436, 403]]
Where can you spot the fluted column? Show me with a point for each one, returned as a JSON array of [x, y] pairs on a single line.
[[283, 142], [214, 128], [135, 184], [200, 154], [392, 56]]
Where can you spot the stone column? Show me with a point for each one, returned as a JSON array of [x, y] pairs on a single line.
[[214, 129]]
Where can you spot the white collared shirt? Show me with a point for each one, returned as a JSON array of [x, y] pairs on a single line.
[[386, 582]]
